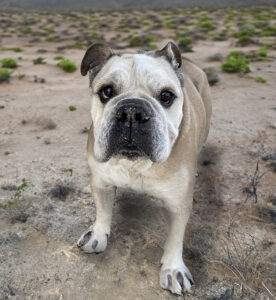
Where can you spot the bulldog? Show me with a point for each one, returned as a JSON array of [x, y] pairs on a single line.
[[150, 117]]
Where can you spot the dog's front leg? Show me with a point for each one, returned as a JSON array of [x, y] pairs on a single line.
[[174, 274], [94, 239]]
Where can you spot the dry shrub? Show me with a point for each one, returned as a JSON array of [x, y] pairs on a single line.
[[46, 123]]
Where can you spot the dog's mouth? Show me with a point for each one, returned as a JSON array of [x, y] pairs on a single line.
[[130, 151]]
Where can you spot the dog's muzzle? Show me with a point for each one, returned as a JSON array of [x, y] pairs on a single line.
[[131, 130]]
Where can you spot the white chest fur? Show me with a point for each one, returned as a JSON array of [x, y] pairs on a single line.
[[122, 173]]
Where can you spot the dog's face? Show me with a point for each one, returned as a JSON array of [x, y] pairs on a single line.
[[137, 102]]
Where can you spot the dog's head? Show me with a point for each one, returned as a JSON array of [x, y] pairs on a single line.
[[137, 102]]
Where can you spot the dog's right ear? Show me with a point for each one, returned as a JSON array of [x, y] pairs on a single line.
[[95, 57]]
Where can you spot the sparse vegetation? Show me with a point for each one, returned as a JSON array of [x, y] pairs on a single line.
[[67, 65], [170, 25], [207, 25], [15, 49], [262, 52], [5, 75], [212, 75], [185, 44], [9, 63], [20, 188], [244, 36], [59, 57], [268, 30], [153, 46], [20, 76], [49, 38], [72, 108], [39, 61], [141, 41], [260, 79], [28, 29], [236, 63]]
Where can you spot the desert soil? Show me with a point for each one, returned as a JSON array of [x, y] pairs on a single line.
[[230, 244]]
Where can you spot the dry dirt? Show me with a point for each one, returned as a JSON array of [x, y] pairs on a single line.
[[230, 242]]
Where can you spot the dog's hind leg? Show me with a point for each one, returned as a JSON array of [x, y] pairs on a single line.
[[94, 239]]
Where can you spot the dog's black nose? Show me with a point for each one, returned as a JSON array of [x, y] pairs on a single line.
[[132, 115]]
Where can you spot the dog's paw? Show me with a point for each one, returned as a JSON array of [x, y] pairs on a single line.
[[93, 240], [176, 279]]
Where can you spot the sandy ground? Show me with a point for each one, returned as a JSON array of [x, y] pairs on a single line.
[[230, 242]]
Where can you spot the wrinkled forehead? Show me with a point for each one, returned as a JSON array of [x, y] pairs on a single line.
[[139, 69]]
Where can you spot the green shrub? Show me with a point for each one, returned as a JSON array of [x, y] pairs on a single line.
[[78, 45], [4, 75], [244, 35], [262, 52], [59, 57], [15, 49], [269, 31], [67, 65], [207, 25], [47, 29], [140, 41], [204, 19], [263, 17], [72, 108], [9, 63], [39, 60], [28, 29], [260, 79], [126, 30], [153, 46], [236, 63], [49, 38], [270, 44], [185, 44], [170, 25]]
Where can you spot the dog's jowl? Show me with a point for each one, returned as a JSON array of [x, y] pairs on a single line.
[[148, 118]]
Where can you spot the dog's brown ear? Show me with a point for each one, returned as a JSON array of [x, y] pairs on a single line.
[[171, 53], [95, 57]]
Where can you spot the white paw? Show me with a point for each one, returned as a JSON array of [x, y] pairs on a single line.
[[94, 239], [176, 279]]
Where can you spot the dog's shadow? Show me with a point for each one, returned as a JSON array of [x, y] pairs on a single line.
[[142, 223]]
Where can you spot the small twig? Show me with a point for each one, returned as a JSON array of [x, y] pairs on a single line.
[[251, 191], [267, 290]]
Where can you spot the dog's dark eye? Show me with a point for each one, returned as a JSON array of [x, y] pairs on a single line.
[[167, 98], [106, 93]]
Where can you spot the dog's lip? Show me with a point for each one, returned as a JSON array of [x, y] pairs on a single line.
[[130, 150]]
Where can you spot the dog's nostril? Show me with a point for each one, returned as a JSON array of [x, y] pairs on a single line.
[[138, 117], [123, 117], [141, 117]]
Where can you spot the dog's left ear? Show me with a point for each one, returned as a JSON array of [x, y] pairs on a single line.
[[171, 53], [95, 57]]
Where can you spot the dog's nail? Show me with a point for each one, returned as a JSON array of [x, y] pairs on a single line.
[[94, 244], [180, 279], [169, 280], [86, 238], [192, 282]]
